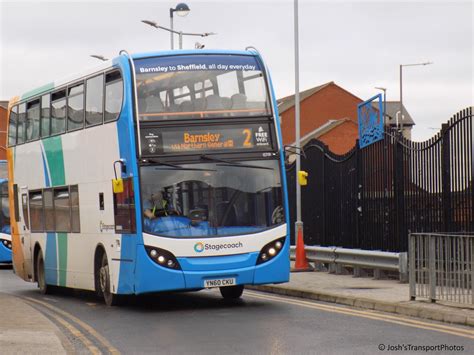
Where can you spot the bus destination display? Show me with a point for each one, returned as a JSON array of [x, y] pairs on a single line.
[[156, 141]]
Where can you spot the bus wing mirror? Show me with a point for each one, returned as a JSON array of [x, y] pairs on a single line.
[[292, 149], [117, 185]]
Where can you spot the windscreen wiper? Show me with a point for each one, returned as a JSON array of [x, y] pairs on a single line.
[[232, 163], [177, 167]]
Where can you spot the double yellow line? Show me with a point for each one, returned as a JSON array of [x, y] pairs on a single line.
[[466, 333], [66, 320]]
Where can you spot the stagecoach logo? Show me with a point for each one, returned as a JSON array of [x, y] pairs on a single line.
[[198, 247], [106, 227]]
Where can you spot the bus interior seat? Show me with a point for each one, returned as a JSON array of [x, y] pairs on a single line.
[[186, 106], [214, 102], [239, 101], [154, 104]]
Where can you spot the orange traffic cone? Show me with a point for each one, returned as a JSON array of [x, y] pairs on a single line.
[[301, 262]]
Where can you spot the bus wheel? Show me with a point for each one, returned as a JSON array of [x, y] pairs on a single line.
[[104, 283], [232, 292], [43, 287]]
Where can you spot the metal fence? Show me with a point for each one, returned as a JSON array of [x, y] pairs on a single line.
[[441, 267], [371, 198]]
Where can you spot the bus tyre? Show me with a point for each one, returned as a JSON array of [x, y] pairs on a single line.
[[104, 283], [232, 292], [40, 274]]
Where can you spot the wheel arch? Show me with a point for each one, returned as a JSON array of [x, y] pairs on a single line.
[[98, 254], [36, 250]]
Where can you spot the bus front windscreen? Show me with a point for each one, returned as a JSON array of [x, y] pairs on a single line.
[[5, 207], [200, 86], [211, 198]]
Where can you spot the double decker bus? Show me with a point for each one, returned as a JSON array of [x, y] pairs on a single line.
[[5, 237], [152, 172]]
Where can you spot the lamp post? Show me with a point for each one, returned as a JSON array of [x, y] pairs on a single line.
[[301, 262], [401, 89], [299, 222], [100, 57], [384, 102], [180, 33], [181, 10]]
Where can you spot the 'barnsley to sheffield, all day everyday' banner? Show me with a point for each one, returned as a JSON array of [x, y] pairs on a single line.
[[196, 63]]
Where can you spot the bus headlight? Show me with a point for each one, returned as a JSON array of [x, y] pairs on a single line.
[[6, 243], [270, 250], [163, 257]]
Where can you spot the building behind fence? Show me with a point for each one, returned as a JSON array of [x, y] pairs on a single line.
[[372, 198]]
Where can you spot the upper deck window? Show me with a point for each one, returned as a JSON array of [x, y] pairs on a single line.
[[45, 115], [200, 86], [75, 107], [113, 95], [58, 112], [33, 120], [12, 126], [21, 132], [95, 100]]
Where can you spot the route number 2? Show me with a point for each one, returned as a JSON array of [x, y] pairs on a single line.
[[248, 136]]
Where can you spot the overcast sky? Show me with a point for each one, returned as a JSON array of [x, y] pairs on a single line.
[[357, 44]]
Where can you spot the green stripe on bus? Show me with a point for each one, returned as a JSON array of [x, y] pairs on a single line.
[[37, 91], [62, 254], [54, 154]]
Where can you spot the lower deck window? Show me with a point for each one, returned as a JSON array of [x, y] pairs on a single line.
[[36, 211], [54, 210], [62, 213]]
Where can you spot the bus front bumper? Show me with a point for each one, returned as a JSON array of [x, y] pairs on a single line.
[[5, 254], [151, 277]]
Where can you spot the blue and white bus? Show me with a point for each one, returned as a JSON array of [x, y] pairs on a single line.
[[152, 172], [5, 237]]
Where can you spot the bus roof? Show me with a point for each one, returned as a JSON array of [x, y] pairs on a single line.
[[190, 52], [110, 63]]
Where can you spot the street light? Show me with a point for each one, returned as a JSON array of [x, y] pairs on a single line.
[[181, 10], [100, 57], [398, 120], [301, 263], [401, 90], [180, 33], [384, 102]]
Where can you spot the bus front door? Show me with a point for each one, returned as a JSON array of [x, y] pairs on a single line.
[[24, 231]]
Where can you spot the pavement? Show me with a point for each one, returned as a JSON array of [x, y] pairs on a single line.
[[368, 293], [24, 330]]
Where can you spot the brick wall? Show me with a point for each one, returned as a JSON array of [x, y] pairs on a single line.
[[342, 138], [330, 103]]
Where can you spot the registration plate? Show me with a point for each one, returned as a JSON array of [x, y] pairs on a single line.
[[219, 282]]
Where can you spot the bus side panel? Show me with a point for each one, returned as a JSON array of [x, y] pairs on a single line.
[[282, 153], [280, 266], [127, 149], [88, 162], [28, 175]]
